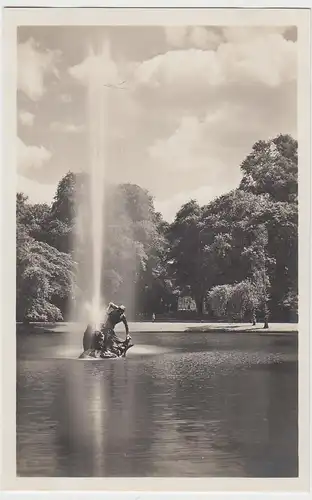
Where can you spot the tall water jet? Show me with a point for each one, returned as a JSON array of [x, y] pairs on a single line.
[[99, 217], [88, 252], [97, 129]]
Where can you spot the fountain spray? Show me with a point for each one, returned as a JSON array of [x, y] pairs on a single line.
[[97, 127]]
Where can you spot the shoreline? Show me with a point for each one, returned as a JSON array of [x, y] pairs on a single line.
[[177, 327]]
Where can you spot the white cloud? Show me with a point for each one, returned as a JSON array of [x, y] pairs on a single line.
[[204, 38], [26, 118], [209, 149], [178, 151], [111, 88], [33, 65], [265, 59], [204, 143], [70, 128], [36, 191], [188, 116], [31, 157], [97, 68]]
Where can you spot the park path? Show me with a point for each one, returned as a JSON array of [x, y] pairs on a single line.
[[179, 327], [150, 327]]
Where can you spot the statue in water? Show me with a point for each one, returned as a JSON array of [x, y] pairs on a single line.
[[104, 343]]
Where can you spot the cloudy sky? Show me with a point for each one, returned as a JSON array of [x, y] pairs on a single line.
[[194, 101]]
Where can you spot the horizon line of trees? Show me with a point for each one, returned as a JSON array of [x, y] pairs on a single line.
[[237, 256]]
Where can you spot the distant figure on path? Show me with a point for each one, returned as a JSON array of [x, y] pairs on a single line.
[[153, 317]]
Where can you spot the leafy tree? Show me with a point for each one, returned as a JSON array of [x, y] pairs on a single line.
[[64, 204], [244, 259], [272, 167], [63, 214], [35, 217], [259, 262], [247, 234], [237, 301], [136, 245], [44, 275], [156, 289], [184, 238]]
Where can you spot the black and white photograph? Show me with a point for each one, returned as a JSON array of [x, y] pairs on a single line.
[[157, 201]]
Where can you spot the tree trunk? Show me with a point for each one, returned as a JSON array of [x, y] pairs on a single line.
[[266, 316], [199, 305], [254, 319]]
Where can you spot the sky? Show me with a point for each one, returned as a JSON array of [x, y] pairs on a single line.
[[193, 102]]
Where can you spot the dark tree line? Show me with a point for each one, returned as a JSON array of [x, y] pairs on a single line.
[[236, 256], [239, 253]]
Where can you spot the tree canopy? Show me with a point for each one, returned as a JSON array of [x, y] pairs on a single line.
[[245, 238], [236, 256], [45, 275]]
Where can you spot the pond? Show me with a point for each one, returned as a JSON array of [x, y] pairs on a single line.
[[180, 404]]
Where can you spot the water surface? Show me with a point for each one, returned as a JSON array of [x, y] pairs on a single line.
[[189, 404]]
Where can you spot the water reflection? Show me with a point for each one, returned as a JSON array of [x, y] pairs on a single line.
[[215, 406]]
